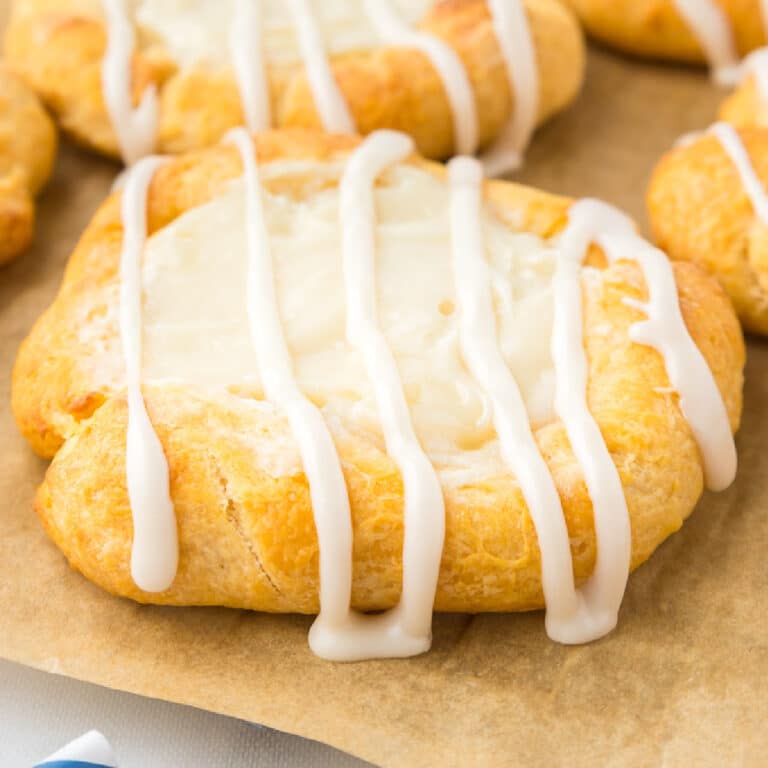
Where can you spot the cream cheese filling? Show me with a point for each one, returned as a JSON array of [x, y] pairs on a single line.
[[195, 315]]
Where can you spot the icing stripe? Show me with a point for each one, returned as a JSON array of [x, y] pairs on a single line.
[[135, 128], [712, 28], [329, 101], [517, 47], [449, 67], [155, 552], [665, 331], [480, 348], [406, 629], [339, 633], [328, 491], [688, 371], [756, 64], [737, 152], [604, 590], [246, 44]]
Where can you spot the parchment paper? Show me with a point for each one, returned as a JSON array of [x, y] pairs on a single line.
[[680, 682]]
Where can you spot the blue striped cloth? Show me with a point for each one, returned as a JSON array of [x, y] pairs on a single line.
[[91, 750], [70, 764]]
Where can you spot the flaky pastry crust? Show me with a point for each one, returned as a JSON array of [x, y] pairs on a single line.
[[59, 52], [655, 29], [27, 151], [700, 212], [746, 107], [247, 538]]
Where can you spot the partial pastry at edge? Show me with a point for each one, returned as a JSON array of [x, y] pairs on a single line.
[[729, 36], [381, 82], [688, 31], [241, 500], [706, 206], [27, 151], [699, 198]]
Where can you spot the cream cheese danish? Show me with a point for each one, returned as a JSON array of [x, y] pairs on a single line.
[[313, 374]]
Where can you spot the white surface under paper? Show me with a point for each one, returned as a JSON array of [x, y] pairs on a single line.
[[39, 712]]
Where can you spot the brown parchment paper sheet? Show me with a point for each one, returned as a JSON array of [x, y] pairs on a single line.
[[683, 679]]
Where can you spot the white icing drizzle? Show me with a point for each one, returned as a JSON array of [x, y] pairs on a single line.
[[155, 552], [333, 109], [330, 502], [406, 629], [566, 618], [711, 27], [449, 67], [691, 137], [737, 152], [756, 64], [665, 330], [135, 128], [517, 47], [246, 44], [604, 591]]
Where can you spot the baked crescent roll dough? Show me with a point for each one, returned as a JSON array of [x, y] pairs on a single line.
[[657, 29], [700, 212], [245, 524], [27, 151], [58, 47], [747, 106]]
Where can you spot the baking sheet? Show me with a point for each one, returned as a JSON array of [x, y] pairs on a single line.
[[680, 682]]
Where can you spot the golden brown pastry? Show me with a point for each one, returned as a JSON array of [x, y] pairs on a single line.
[[747, 106], [450, 87], [693, 31], [706, 206], [429, 329], [27, 151]]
